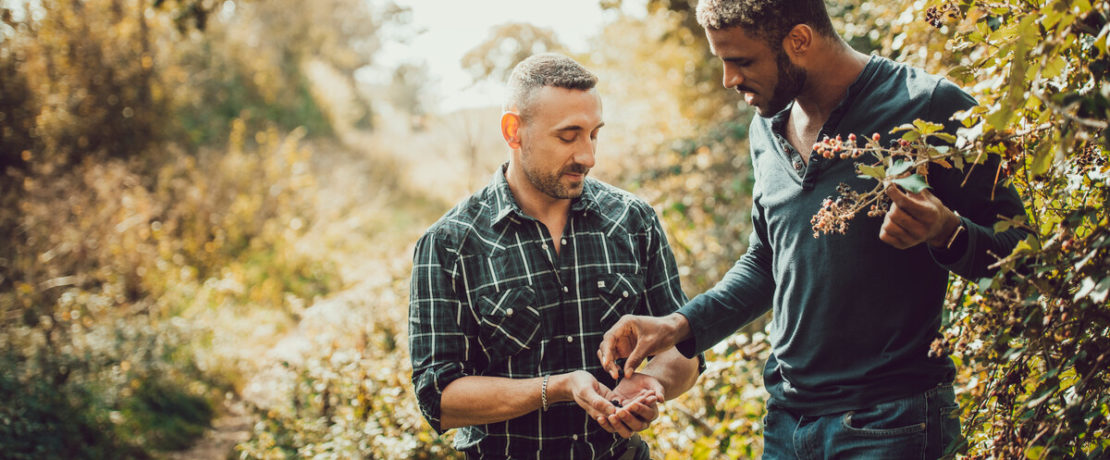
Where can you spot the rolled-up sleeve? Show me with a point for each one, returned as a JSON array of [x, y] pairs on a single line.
[[439, 343]]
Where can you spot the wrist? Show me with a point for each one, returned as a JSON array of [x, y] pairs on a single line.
[[558, 389], [952, 226], [678, 327]]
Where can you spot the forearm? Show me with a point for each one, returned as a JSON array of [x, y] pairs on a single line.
[[742, 295], [676, 373], [477, 400]]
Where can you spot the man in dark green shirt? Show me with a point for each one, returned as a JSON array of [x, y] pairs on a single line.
[[854, 314]]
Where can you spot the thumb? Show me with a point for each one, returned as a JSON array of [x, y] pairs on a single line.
[[895, 193], [635, 358]]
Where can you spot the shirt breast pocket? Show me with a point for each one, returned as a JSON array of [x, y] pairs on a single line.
[[621, 294], [509, 322]]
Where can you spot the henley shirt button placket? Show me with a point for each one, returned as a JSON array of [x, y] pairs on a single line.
[[798, 164]]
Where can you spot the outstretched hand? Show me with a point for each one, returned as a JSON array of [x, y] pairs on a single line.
[[636, 399], [914, 218], [590, 394], [637, 337]]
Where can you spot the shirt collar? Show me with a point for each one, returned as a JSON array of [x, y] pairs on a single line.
[[504, 205]]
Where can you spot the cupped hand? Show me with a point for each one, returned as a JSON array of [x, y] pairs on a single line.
[[638, 397], [589, 394]]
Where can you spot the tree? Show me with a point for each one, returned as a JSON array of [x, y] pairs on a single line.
[[507, 45]]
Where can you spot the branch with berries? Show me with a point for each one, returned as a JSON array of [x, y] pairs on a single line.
[[905, 163]]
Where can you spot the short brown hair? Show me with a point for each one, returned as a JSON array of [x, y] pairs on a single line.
[[547, 69]]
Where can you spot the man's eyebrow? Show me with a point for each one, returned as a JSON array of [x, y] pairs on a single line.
[[575, 128]]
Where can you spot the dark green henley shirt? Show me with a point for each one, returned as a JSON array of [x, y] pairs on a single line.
[[853, 317]]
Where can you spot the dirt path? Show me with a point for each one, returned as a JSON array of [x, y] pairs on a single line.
[[231, 427], [367, 217]]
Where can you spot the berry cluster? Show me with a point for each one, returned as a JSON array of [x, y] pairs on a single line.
[[935, 15], [833, 148], [832, 217], [835, 213]]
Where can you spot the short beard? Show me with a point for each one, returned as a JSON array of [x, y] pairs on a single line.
[[791, 81], [549, 183]]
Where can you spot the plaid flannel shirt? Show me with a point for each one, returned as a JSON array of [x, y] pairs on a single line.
[[490, 296]]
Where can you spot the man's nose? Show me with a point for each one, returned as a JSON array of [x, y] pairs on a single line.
[[585, 154], [731, 78]]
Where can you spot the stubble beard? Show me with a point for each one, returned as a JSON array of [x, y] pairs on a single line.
[[550, 183], [791, 81]]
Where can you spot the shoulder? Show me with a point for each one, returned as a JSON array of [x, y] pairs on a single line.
[[454, 226], [919, 84], [617, 203]]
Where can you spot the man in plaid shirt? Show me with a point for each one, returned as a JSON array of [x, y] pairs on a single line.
[[513, 289]]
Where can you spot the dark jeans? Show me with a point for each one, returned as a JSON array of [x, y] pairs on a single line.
[[917, 427], [633, 449], [636, 449]]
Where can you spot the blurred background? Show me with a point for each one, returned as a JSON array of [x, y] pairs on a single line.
[[209, 207]]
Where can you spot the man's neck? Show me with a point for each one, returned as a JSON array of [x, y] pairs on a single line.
[[552, 212], [828, 80]]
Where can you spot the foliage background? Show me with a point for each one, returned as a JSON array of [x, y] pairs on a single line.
[[209, 218]]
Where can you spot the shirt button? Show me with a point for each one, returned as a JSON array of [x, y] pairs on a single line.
[[564, 241], [566, 289], [570, 339], [509, 311], [574, 437], [625, 294], [798, 164], [544, 245]]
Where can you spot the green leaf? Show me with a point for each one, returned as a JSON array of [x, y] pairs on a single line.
[[945, 137], [1099, 294], [899, 167], [1054, 67], [903, 127], [1102, 41], [927, 127], [913, 183], [961, 73], [984, 284], [877, 171], [1001, 226], [1042, 160]]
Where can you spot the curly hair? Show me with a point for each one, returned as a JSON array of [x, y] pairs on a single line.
[[547, 69], [770, 20]]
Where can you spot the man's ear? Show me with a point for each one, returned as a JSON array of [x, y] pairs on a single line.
[[510, 129], [798, 41]]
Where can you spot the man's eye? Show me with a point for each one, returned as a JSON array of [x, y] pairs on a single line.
[[568, 140]]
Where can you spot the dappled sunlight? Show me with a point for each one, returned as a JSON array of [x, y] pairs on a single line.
[[209, 214]]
